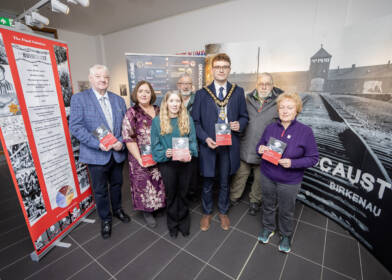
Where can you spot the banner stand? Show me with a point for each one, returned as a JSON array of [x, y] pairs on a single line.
[[86, 220], [36, 258], [52, 185], [60, 244], [163, 71]]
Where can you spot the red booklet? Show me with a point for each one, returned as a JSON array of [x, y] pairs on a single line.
[[180, 147], [222, 134], [147, 159], [104, 136], [275, 151]]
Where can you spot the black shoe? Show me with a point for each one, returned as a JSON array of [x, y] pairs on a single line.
[[173, 233], [234, 202], [185, 233], [253, 208], [122, 216], [106, 229]]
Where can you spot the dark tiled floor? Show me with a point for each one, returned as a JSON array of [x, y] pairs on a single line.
[[321, 249]]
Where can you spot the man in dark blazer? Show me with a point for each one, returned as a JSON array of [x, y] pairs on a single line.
[[90, 109], [220, 102]]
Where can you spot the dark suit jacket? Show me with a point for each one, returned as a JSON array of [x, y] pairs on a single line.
[[85, 116], [205, 116]]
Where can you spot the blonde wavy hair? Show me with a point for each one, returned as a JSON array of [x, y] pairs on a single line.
[[183, 118], [292, 96]]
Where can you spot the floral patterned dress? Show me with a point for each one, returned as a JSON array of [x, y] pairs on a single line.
[[147, 189]]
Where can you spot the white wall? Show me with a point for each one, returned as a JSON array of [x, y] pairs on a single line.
[[84, 51]]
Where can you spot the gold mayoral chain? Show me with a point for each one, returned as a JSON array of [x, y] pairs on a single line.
[[221, 103]]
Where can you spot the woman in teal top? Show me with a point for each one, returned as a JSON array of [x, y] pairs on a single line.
[[173, 143]]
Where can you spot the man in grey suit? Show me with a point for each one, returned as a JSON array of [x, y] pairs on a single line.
[[91, 109]]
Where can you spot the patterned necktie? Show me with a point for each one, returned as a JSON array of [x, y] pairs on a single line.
[[222, 110], [220, 96], [106, 111]]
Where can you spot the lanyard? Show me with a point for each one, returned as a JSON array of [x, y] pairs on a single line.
[[260, 108], [261, 105]]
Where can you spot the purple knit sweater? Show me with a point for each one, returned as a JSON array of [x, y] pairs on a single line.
[[301, 149]]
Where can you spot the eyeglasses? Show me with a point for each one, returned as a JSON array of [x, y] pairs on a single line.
[[225, 67]]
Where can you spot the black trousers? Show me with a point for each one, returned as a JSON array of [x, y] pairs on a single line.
[[101, 175], [176, 178], [194, 188]]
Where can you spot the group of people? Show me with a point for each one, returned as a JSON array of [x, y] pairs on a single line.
[[171, 176]]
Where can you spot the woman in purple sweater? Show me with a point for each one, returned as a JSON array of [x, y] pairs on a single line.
[[280, 181]]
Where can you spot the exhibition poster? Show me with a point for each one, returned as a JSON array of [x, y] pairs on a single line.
[[163, 71], [53, 187]]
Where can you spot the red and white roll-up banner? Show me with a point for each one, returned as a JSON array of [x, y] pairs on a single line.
[[53, 187]]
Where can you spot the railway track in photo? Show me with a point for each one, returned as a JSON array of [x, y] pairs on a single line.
[[345, 155], [374, 145]]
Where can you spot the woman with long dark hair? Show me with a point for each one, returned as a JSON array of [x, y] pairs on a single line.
[[147, 189]]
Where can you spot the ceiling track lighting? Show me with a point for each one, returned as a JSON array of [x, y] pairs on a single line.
[[59, 7], [84, 3], [33, 18], [36, 19]]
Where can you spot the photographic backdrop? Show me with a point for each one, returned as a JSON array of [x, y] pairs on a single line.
[[347, 96]]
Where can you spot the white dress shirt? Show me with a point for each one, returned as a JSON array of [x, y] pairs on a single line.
[[106, 108], [217, 87]]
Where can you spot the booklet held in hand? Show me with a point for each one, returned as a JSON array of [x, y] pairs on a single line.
[[105, 137], [145, 151], [180, 147], [275, 150], [222, 134]]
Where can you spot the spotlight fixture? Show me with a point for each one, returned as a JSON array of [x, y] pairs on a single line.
[[35, 19], [59, 7], [29, 21], [84, 3]]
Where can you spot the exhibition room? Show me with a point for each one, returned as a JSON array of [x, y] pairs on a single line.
[[220, 139]]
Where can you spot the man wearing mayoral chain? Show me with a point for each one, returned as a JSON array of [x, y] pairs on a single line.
[[219, 102]]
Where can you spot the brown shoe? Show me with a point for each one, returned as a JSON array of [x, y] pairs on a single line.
[[205, 222], [225, 222]]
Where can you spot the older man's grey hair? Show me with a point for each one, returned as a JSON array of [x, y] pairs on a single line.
[[93, 69], [185, 75], [267, 75]]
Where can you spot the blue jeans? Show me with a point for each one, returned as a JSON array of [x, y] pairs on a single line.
[[101, 175], [223, 167]]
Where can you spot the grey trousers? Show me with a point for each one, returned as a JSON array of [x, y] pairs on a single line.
[[238, 183], [282, 196]]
